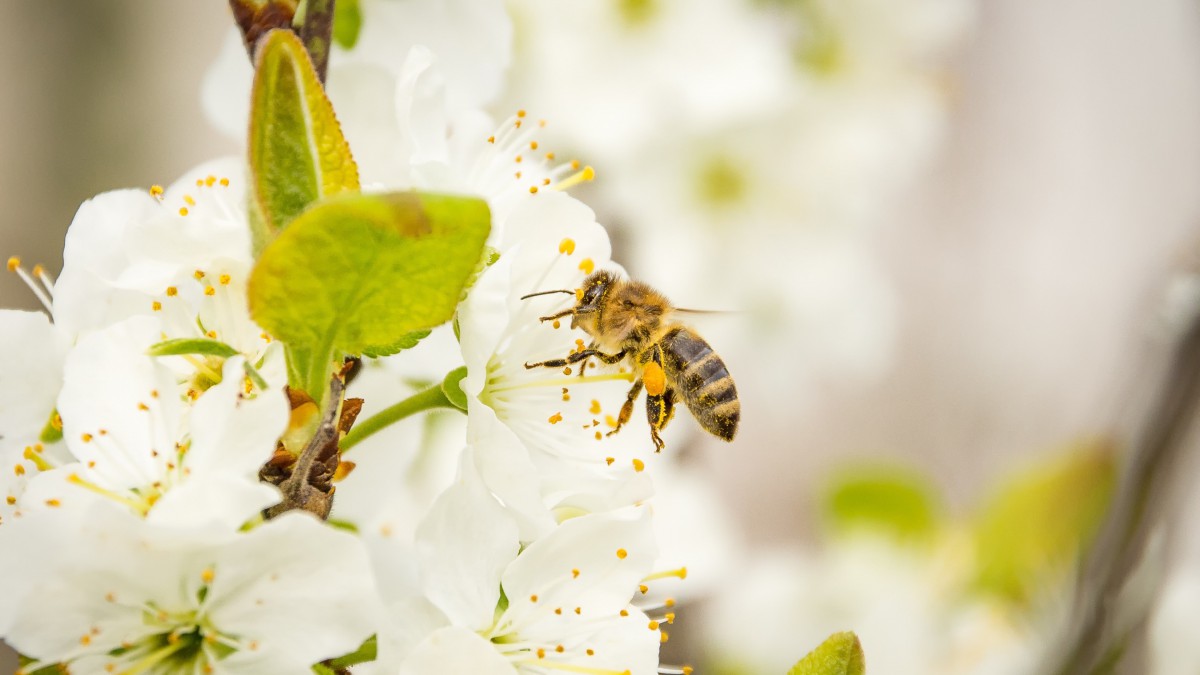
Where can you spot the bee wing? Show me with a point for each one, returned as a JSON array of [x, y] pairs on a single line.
[[699, 312]]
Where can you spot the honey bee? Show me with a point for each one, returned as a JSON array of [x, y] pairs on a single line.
[[630, 321]]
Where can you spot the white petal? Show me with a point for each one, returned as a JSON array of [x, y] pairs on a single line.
[[455, 650], [464, 544], [94, 255], [612, 552], [504, 465], [224, 500], [305, 591], [31, 362], [119, 407], [233, 435]]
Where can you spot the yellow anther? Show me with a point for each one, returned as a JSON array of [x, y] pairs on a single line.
[[591, 652], [198, 274], [541, 653], [187, 199], [622, 553], [208, 575], [599, 435], [224, 182], [639, 465], [210, 291], [586, 265], [209, 180], [520, 113], [38, 270], [670, 617], [567, 370], [86, 438], [156, 190], [53, 503], [183, 211], [663, 636], [224, 279], [609, 460], [558, 611], [85, 640], [567, 245], [199, 182], [556, 324], [533, 189], [643, 589], [653, 625], [491, 139], [156, 306], [575, 164], [595, 409], [533, 598], [13, 263], [624, 612], [560, 649], [172, 291], [575, 573], [517, 159], [550, 156], [555, 418], [19, 469], [578, 610], [533, 145]]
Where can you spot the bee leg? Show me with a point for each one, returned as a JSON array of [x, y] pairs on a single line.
[[553, 317], [668, 407], [627, 408], [584, 364], [577, 357], [658, 413]]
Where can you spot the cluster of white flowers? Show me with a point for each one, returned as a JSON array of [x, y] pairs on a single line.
[[517, 539]]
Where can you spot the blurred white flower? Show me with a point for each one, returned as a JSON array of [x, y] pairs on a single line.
[[119, 594], [905, 604]]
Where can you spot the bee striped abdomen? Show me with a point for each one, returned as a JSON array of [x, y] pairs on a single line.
[[704, 382]]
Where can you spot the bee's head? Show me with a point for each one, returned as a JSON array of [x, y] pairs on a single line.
[[594, 288]]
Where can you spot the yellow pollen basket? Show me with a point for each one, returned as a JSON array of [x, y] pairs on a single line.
[[654, 378]]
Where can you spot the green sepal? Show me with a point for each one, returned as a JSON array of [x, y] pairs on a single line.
[[347, 23], [51, 433], [185, 346], [298, 153], [361, 273], [840, 654], [452, 387], [366, 652]]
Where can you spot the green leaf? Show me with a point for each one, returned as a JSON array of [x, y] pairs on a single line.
[[322, 669], [452, 387], [841, 654], [297, 151], [361, 273], [1030, 532], [894, 500], [347, 22], [182, 346], [406, 341]]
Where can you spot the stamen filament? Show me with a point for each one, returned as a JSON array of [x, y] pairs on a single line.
[[38, 459], [154, 658], [680, 572], [33, 285], [587, 174], [566, 381], [572, 668], [142, 507]]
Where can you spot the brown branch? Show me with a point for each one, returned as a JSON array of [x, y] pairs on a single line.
[[317, 34], [1140, 506]]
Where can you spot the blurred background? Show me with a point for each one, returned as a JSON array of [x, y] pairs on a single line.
[[956, 234]]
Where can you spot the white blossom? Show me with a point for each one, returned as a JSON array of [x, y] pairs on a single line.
[[119, 594], [490, 606], [137, 439]]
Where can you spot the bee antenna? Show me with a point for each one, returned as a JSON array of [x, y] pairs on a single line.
[[531, 295]]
